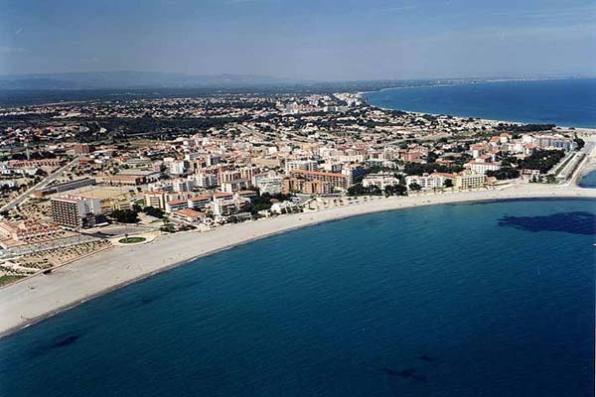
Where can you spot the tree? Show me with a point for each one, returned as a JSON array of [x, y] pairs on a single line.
[[167, 227], [504, 173], [359, 190], [396, 190], [152, 211], [125, 216], [415, 187], [448, 183], [542, 160]]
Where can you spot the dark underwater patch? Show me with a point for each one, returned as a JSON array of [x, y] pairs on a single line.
[[408, 373], [578, 222], [56, 343], [66, 341]]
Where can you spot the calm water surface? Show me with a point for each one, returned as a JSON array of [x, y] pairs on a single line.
[[588, 180], [561, 102], [456, 300]]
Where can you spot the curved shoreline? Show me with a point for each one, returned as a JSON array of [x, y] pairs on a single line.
[[40, 297], [364, 96]]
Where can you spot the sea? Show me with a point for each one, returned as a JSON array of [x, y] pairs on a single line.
[[564, 102], [477, 299], [588, 180]]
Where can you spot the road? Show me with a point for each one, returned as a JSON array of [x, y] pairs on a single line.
[[22, 197]]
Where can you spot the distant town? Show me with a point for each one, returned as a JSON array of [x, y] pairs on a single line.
[[81, 177]]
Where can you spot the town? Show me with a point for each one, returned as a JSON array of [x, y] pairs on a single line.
[[77, 178]]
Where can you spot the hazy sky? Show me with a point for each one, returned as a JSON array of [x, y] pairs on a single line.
[[306, 39]]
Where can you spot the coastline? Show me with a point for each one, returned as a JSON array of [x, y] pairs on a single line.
[[40, 297], [363, 95]]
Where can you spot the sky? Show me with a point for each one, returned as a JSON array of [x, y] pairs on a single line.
[[302, 39]]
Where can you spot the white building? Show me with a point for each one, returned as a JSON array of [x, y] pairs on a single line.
[[426, 181], [480, 167], [381, 180], [307, 165], [271, 185]]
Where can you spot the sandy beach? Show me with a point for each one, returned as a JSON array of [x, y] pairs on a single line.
[[41, 296]]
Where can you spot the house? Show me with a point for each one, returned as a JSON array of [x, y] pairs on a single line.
[[188, 215]]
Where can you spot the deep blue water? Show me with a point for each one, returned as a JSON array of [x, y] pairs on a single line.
[[588, 180], [561, 102], [493, 299]]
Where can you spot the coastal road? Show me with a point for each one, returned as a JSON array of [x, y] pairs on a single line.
[[46, 181]]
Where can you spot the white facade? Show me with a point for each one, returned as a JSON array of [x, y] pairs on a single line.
[[307, 165], [270, 185], [380, 180]]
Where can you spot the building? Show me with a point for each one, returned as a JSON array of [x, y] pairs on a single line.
[[227, 204], [339, 181], [381, 180], [480, 167], [155, 199], [175, 167], [182, 184], [353, 173], [20, 164], [24, 232], [75, 211], [468, 181], [307, 165], [81, 148], [270, 185], [199, 201], [298, 185], [205, 180], [132, 177], [66, 186], [110, 198], [176, 205], [554, 142], [188, 215]]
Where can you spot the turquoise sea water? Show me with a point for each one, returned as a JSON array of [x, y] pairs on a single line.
[[493, 299], [562, 102]]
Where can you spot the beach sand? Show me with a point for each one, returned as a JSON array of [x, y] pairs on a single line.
[[41, 296]]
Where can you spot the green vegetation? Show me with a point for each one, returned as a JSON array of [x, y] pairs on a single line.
[[132, 240], [167, 227], [525, 128], [504, 173], [396, 190], [155, 212], [125, 216], [359, 190], [391, 190], [7, 279], [542, 160], [415, 187], [419, 169], [263, 202]]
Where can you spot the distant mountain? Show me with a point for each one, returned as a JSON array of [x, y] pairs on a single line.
[[130, 79]]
